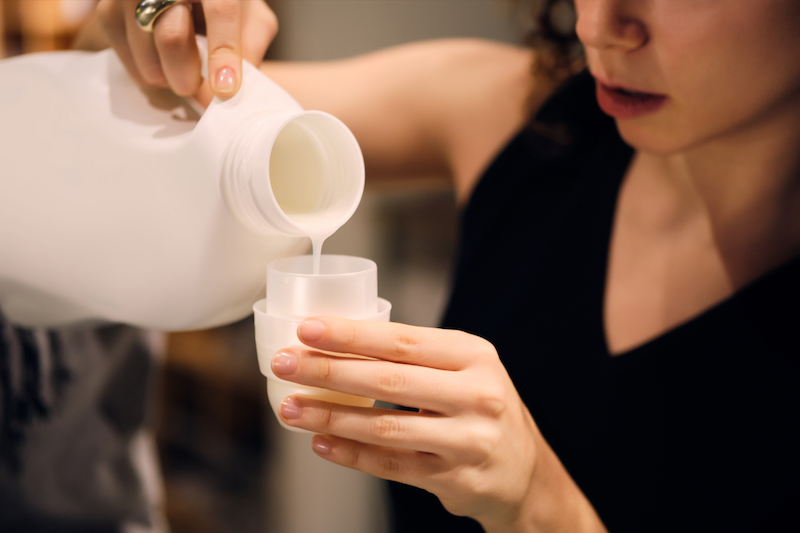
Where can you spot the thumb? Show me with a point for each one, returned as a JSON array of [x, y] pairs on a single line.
[[224, 32]]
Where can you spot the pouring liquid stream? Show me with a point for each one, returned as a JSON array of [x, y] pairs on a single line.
[[317, 229], [297, 169], [316, 250]]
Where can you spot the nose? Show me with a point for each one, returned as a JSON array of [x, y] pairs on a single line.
[[610, 24]]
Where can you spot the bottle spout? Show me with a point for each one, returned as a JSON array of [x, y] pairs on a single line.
[[295, 173]]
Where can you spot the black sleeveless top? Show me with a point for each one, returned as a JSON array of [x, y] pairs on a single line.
[[691, 431]]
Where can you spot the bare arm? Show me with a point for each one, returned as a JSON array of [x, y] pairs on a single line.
[[440, 107], [434, 107]]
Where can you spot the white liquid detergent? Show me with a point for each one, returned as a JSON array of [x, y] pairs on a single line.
[[296, 155], [124, 204], [300, 197]]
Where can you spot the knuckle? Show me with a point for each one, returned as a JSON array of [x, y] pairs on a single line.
[[172, 31], [486, 349], [223, 19], [406, 345], [353, 457], [171, 38], [271, 23], [490, 402], [268, 21], [327, 418], [349, 337], [391, 380], [223, 48], [259, 13], [389, 465], [474, 483], [485, 441], [467, 480], [324, 369], [388, 427], [186, 87], [222, 9]]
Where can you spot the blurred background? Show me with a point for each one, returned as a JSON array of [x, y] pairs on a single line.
[[228, 466]]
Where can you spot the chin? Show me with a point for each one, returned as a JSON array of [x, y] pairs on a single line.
[[652, 140]]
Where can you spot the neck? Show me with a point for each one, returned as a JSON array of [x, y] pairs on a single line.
[[746, 186]]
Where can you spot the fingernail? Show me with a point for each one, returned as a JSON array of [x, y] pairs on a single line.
[[284, 363], [226, 80], [321, 445], [290, 409], [311, 330]]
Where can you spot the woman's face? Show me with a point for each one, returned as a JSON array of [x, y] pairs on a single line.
[[709, 69]]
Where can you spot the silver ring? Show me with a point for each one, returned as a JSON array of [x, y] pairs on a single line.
[[147, 11]]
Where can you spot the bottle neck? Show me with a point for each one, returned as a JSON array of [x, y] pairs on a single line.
[[295, 173]]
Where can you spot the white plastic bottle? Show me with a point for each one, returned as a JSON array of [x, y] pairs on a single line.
[[124, 204]]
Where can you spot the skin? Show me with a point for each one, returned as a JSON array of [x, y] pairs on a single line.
[[434, 94], [709, 203], [168, 57]]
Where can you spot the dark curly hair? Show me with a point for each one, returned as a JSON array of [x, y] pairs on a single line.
[[553, 34]]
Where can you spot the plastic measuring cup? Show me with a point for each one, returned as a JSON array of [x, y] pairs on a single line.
[[346, 286]]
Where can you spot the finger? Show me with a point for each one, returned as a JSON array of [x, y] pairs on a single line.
[[431, 347], [259, 27], [175, 42], [381, 427], [112, 20], [224, 32], [404, 466], [204, 95], [143, 48], [413, 386]]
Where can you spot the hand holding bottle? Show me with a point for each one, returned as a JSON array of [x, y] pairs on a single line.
[[473, 443], [168, 57]]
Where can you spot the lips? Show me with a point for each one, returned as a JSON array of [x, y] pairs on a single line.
[[620, 102]]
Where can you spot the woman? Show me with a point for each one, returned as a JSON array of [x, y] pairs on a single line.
[[628, 273]]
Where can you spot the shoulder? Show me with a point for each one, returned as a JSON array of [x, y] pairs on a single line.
[[462, 98], [481, 93], [453, 56], [448, 78]]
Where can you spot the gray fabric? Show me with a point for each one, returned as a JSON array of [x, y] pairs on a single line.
[[78, 446]]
